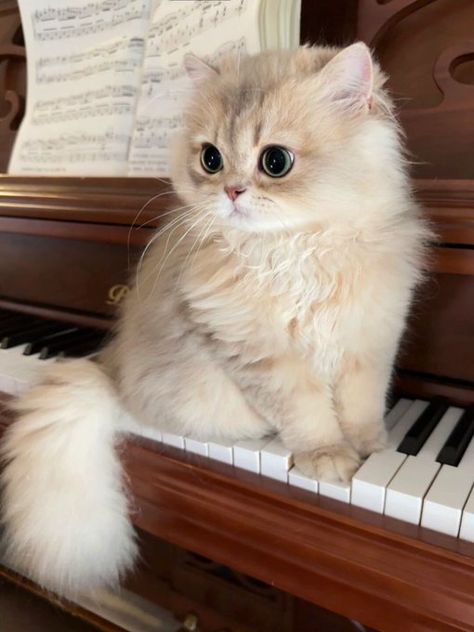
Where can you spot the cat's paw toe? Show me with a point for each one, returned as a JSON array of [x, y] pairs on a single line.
[[370, 440], [331, 464]]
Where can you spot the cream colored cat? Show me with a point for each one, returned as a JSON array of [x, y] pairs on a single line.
[[273, 301]]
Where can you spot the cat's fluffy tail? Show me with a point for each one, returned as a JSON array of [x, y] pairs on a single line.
[[64, 509]]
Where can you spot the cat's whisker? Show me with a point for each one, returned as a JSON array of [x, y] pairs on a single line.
[[140, 211], [166, 227], [172, 226], [158, 217], [183, 266], [164, 259], [206, 231], [148, 202], [160, 180]]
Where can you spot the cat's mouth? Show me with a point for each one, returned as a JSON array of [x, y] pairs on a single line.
[[238, 210], [237, 213]]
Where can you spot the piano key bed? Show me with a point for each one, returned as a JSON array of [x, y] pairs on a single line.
[[425, 477]]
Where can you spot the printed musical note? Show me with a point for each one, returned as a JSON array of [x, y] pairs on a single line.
[[179, 27], [66, 151], [124, 55], [106, 84], [80, 87], [168, 88], [95, 17]]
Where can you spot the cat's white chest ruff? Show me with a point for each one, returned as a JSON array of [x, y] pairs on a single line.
[[275, 310], [315, 331]]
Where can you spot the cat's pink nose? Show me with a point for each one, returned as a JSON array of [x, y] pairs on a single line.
[[233, 192]]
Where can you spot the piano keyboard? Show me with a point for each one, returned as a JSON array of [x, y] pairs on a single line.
[[425, 477], [28, 343]]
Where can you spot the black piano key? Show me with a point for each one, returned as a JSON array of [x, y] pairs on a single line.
[[29, 334], [37, 345], [415, 438], [16, 322], [63, 343], [85, 347], [456, 444], [6, 316]]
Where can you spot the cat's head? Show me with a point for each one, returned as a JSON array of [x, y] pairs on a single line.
[[287, 140]]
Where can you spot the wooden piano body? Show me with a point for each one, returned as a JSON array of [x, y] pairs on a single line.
[[67, 247]]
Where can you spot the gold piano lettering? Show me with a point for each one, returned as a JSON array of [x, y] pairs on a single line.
[[117, 293]]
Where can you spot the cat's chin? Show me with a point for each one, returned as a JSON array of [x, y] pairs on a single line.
[[261, 226], [248, 224], [242, 219], [250, 221]]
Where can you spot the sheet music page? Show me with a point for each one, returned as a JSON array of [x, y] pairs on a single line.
[[84, 69], [206, 28]]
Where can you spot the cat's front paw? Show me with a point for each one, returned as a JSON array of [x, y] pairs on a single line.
[[332, 464], [369, 439]]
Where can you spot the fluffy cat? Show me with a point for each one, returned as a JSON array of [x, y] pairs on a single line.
[[273, 302]]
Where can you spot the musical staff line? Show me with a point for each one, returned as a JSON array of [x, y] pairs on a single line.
[[106, 85], [177, 29], [94, 17]]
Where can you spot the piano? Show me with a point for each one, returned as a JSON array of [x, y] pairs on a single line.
[[233, 534]]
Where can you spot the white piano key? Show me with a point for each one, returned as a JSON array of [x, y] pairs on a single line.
[[396, 412], [298, 479], [443, 505], [196, 447], [342, 491], [221, 451], [406, 491], [129, 424], [247, 453], [339, 491], [276, 460], [467, 522], [444, 502], [177, 441], [148, 432], [370, 482]]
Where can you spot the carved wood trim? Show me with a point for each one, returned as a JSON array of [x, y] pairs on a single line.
[[74, 230], [122, 201], [449, 205], [134, 202], [376, 17], [12, 78], [454, 91]]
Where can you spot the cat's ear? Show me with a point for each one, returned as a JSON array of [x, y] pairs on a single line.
[[349, 76], [197, 69]]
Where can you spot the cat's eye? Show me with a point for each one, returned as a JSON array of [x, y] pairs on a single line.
[[211, 159], [276, 161]]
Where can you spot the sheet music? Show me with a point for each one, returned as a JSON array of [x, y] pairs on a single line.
[[206, 28], [84, 69]]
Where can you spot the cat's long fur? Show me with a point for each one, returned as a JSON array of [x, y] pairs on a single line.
[[282, 313]]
